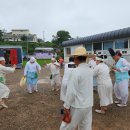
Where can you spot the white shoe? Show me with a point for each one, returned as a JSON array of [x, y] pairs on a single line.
[[4, 105], [36, 91], [121, 105], [116, 102], [99, 111], [30, 92]]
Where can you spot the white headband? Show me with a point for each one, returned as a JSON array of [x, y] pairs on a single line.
[[100, 59], [2, 58], [32, 59], [53, 59]]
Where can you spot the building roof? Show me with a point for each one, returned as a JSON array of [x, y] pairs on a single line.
[[9, 46], [20, 29], [116, 34]]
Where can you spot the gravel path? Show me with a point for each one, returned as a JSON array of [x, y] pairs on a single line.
[[41, 111]]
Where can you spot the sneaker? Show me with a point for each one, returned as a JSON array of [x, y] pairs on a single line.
[[121, 105], [116, 102], [99, 111]]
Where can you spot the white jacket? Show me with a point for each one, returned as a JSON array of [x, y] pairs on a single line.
[[92, 64], [101, 72], [54, 68], [80, 88], [5, 70], [67, 71], [31, 67]]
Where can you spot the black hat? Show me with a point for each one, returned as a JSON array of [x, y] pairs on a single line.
[[112, 52]]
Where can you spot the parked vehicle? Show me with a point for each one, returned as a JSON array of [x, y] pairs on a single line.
[[12, 55]]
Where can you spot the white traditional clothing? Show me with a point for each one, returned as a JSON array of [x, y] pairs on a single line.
[[104, 83], [122, 79], [79, 97], [55, 75], [77, 118], [4, 90], [92, 64], [31, 72], [67, 72]]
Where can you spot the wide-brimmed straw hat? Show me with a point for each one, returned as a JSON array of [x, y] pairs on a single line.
[[80, 51]]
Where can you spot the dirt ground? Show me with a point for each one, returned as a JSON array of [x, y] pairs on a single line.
[[41, 111]]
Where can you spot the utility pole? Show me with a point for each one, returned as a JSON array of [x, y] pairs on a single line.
[[43, 36]]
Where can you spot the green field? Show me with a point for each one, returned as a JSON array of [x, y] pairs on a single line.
[[40, 61]]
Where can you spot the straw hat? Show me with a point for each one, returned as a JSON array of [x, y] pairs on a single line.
[[80, 51]]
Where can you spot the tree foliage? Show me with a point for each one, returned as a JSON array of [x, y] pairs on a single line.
[[60, 37], [24, 38], [1, 35]]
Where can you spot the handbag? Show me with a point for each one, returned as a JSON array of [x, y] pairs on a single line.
[[67, 116], [22, 81]]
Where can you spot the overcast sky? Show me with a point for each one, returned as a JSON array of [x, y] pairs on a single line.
[[79, 17]]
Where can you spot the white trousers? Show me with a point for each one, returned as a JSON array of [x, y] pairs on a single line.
[[121, 91], [81, 118], [63, 90], [30, 88], [4, 91], [56, 81], [105, 91]]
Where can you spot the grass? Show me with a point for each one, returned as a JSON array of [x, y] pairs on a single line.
[[39, 61]]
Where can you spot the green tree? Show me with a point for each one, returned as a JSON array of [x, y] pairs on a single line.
[[1, 35], [24, 38], [39, 40], [60, 37]]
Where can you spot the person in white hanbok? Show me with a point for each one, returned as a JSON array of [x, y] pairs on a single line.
[[4, 90], [79, 95], [104, 83], [32, 68], [67, 71], [55, 77]]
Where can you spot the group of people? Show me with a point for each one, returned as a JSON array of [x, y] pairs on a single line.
[[31, 72], [77, 85], [32, 69], [77, 95]]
